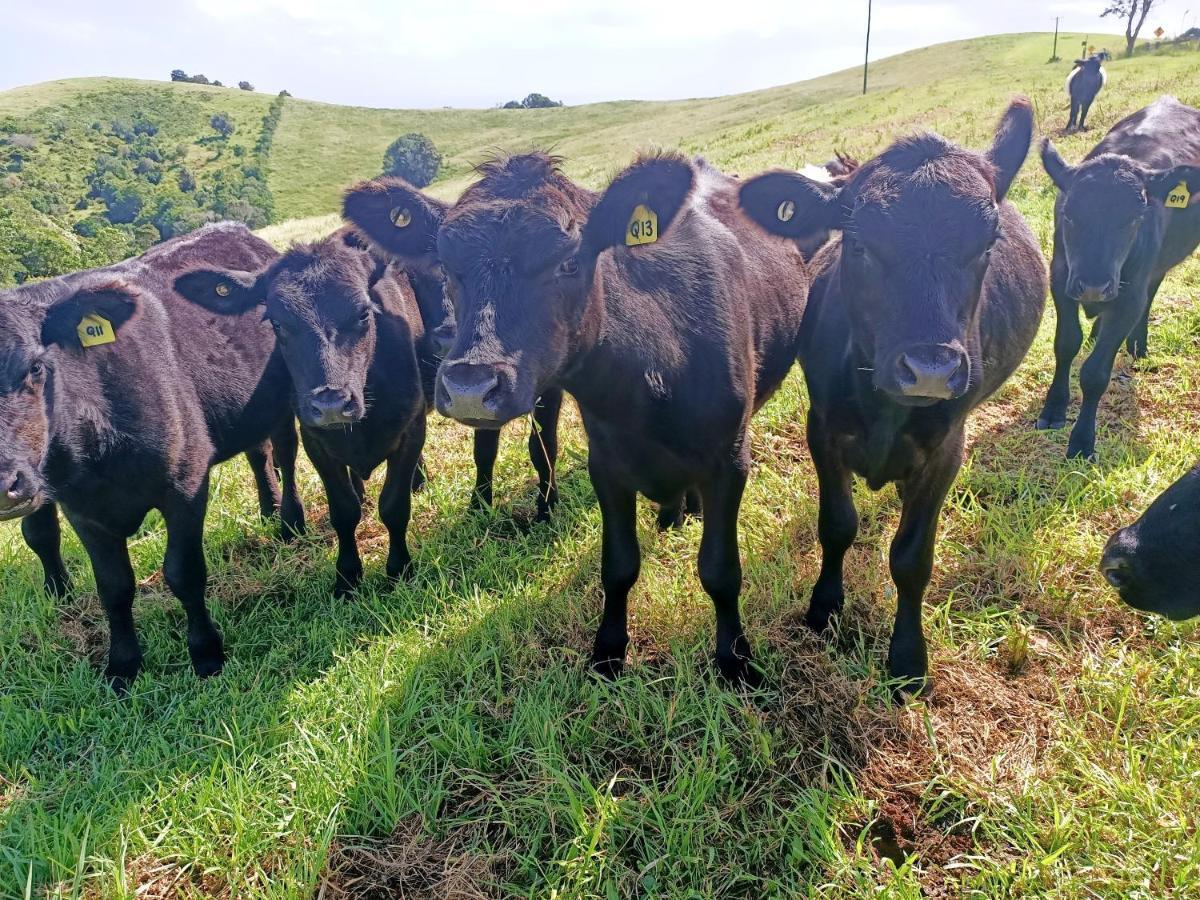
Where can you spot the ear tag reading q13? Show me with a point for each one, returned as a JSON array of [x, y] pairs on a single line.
[[642, 227], [1179, 196], [95, 330]]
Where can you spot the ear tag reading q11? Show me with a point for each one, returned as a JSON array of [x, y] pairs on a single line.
[[642, 227], [95, 330], [1179, 196]]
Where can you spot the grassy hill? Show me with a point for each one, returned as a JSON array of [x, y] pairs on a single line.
[[439, 738]]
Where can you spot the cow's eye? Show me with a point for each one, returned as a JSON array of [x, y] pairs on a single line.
[[37, 371], [364, 317], [569, 267]]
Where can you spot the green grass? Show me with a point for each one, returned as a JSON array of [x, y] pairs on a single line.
[[442, 734]]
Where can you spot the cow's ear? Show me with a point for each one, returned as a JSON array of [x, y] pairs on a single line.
[[228, 292], [1056, 167], [640, 204], [90, 317], [1011, 144], [1178, 188], [395, 217], [791, 205]]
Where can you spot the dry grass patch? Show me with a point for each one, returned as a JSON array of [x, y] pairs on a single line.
[[407, 865]]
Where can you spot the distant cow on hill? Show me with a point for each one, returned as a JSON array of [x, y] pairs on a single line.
[[922, 307], [1083, 84], [1124, 217], [117, 396]]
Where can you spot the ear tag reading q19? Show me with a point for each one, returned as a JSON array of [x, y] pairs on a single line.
[[1179, 196], [642, 228], [95, 330]]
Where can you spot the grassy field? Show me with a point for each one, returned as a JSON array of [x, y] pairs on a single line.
[[440, 738]]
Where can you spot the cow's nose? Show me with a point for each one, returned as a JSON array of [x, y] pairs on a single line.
[[18, 488], [939, 373], [328, 407], [1116, 571], [469, 392], [1086, 292], [1116, 563]]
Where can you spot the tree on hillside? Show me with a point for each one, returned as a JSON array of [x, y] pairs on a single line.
[[1134, 12], [539, 101], [414, 158], [179, 75], [221, 125], [245, 86], [533, 101]]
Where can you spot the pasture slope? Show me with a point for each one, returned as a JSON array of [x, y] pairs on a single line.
[[440, 738]]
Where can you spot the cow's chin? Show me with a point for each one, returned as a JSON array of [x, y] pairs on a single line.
[[901, 399], [21, 509]]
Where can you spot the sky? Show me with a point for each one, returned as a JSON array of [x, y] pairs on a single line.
[[471, 53]]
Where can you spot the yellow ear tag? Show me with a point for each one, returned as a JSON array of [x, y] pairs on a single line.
[[1179, 196], [642, 228], [401, 217], [786, 211], [222, 289], [95, 330]]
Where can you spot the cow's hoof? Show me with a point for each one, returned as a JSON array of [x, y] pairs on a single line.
[[913, 687], [346, 584], [608, 667], [821, 611], [1082, 451], [208, 656], [121, 674], [739, 671], [1050, 423]]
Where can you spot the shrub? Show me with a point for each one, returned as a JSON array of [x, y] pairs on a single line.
[[221, 125], [533, 101], [414, 158], [245, 86]]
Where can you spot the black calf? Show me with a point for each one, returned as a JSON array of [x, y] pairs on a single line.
[[1128, 214], [920, 310]]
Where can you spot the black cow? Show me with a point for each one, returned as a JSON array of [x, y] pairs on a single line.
[[350, 329], [668, 340], [1122, 220], [923, 306], [117, 396], [1154, 564], [1083, 84], [411, 238]]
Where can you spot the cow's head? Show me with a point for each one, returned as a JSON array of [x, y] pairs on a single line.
[[918, 224], [317, 298], [1107, 206], [1154, 564], [519, 251], [38, 337]]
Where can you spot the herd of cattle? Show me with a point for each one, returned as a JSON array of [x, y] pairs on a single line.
[[670, 306]]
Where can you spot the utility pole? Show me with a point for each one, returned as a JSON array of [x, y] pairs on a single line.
[[1054, 54], [867, 53]]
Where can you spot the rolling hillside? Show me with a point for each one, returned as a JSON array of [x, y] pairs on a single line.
[[320, 148], [439, 737]]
